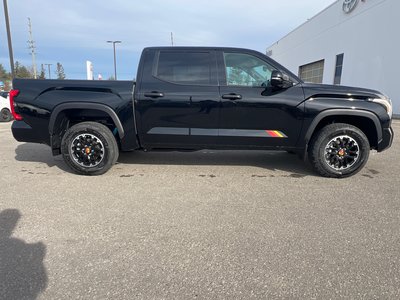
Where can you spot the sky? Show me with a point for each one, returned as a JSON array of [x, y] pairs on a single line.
[[72, 32]]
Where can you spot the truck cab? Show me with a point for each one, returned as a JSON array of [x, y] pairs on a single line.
[[205, 97]]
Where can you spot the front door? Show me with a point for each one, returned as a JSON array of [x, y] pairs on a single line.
[[178, 100], [252, 112]]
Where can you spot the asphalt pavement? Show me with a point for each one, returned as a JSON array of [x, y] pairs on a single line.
[[201, 225]]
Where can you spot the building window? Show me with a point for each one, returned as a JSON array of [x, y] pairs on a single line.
[[312, 72], [338, 69]]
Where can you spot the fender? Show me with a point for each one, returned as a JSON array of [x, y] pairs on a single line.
[[78, 105], [347, 112], [336, 112]]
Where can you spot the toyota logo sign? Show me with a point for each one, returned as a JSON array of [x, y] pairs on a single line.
[[349, 5]]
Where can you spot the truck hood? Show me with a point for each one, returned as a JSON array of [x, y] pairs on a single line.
[[312, 90]]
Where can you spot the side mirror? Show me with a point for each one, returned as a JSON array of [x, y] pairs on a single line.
[[280, 80]]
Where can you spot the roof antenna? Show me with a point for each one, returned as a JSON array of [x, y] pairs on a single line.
[[172, 39]]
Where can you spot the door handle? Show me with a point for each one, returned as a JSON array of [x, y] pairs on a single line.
[[232, 96], [154, 94]]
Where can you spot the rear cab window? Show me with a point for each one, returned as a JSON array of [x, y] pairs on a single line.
[[186, 67]]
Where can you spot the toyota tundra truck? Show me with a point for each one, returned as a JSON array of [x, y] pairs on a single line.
[[192, 98]]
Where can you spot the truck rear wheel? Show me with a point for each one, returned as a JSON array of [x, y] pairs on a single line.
[[89, 148], [339, 150]]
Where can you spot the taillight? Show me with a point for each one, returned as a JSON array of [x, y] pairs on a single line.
[[12, 95]]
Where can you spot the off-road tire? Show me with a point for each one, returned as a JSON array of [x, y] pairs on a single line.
[[317, 151], [5, 115], [104, 140]]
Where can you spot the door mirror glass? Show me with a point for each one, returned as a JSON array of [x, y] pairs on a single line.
[[280, 80]]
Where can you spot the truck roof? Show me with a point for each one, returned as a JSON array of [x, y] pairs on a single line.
[[198, 48], [242, 50]]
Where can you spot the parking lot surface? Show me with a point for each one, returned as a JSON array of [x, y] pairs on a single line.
[[207, 224]]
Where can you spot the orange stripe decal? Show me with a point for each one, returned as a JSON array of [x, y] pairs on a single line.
[[271, 133], [275, 133]]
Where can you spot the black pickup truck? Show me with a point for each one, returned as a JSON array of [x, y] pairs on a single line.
[[191, 98]]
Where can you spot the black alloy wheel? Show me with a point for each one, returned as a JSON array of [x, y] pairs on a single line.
[[342, 152], [339, 150], [89, 148]]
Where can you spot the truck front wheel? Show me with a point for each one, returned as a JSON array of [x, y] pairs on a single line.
[[89, 148], [339, 150]]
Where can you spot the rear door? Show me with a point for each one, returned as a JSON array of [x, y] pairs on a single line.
[[253, 114], [178, 100]]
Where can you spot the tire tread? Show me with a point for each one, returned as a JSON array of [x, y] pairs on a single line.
[[112, 147], [318, 138]]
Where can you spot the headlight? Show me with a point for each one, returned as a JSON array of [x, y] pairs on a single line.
[[386, 103]]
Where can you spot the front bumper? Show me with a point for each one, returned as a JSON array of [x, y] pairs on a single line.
[[387, 139]]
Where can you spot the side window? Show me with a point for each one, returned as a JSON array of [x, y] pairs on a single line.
[[247, 70], [184, 67]]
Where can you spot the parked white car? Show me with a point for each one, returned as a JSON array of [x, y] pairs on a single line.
[[5, 110]]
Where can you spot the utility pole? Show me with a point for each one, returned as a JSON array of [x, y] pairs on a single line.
[[10, 50], [48, 66], [115, 59], [32, 46], [172, 38], [42, 72]]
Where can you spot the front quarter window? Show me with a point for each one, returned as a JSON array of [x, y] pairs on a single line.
[[247, 70]]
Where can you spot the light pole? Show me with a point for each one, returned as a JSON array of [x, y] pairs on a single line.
[[115, 59], [10, 50]]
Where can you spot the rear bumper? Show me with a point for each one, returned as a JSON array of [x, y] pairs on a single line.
[[22, 132], [387, 139]]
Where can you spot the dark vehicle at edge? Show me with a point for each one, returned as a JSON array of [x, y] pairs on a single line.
[[191, 98]]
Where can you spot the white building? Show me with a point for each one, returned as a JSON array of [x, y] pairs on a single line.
[[351, 42]]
